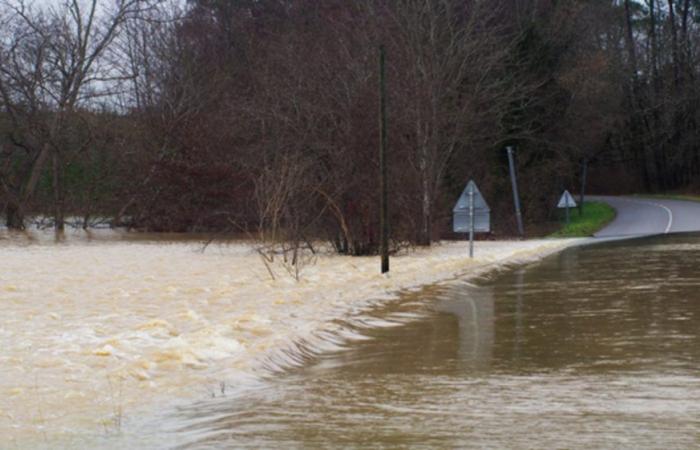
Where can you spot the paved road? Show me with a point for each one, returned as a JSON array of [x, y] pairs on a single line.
[[644, 216]]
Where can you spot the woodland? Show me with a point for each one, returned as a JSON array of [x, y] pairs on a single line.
[[261, 117]]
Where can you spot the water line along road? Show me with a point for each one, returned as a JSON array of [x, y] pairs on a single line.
[[637, 216]]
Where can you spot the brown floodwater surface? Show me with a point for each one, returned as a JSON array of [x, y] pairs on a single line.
[[105, 334], [596, 347]]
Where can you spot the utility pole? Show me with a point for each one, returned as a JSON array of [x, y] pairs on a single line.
[[516, 197], [583, 186], [383, 212]]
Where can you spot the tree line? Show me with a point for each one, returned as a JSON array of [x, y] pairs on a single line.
[[261, 116]]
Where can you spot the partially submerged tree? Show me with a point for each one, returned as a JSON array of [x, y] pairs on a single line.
[[51, 65]]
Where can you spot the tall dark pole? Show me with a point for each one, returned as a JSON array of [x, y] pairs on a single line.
[[516, 197], [583, 186], [383, 213]]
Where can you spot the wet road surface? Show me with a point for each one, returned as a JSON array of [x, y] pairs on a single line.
[[637, 216]]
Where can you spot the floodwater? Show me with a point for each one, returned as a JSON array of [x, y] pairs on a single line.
[[596, 347], [105, 334]]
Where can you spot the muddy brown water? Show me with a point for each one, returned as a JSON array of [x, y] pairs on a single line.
[[596, 347]]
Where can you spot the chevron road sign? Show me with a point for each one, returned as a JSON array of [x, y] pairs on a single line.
[[566, 201], [471, 214]]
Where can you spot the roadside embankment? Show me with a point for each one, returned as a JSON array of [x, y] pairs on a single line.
[[595, 216]]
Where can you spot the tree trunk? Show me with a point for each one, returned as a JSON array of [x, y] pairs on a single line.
[[629, 42], [650, 168], [15, 207], [33, 180], [426, 201], [674, 44], [14, 218], [685, 41], [59, 210], [654, 47], [427, 218]]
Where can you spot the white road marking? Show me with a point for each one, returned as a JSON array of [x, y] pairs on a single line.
[[670, 217], [658, 205]]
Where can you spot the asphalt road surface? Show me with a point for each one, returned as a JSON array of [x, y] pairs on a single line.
[[638, 216]]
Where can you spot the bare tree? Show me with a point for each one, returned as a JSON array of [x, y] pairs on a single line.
[[51, 65], [449, 57]]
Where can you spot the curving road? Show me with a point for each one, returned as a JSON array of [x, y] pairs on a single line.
[[638, 216]]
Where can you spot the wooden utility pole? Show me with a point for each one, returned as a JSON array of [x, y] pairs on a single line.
[[383, 213]]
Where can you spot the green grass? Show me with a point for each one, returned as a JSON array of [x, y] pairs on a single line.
[[595, 216]]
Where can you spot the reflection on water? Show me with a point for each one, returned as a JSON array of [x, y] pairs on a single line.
[[597, 347], [103, 333], [475, 324]]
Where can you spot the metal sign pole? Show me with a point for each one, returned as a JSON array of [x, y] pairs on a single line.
[[516, 197], [565, 202], [471, 214], [471, 221]]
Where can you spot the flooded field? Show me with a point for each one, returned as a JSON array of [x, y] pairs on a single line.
[[597, 347], [104, 335]]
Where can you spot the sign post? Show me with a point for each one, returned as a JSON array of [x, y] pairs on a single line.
[[471, 214], [471, 220], [566, 201], [516, 196]]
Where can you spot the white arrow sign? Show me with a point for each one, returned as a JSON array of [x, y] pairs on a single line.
[[566, 201], [471, 214], [479, 202]]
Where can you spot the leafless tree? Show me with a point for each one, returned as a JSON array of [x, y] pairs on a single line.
[[51, 66], [450, 59]]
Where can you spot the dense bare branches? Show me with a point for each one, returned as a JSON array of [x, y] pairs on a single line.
[[51, 64], [260, 116]]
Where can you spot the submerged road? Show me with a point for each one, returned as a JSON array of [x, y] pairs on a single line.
[[637, 216]]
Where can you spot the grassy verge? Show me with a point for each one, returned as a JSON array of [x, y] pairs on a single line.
[[687, 197], [595, 216]]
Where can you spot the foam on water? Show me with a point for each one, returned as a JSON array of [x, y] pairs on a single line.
[[98, 332]]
